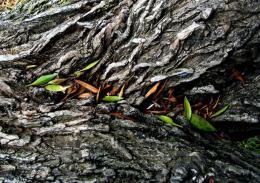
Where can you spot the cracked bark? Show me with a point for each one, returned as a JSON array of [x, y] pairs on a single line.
[[183, 41]]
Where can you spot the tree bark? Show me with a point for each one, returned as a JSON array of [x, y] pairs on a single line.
[[192, 44]]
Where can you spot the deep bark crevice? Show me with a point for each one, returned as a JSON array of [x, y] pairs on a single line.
[[194, 45]]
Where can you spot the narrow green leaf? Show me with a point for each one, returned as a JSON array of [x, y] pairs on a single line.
[[77, 73], [112, 98], [43, 79], [219, 112], [31, 66], [89, 66], [187, 108], [55, 88], [201, 123], [168, 120]]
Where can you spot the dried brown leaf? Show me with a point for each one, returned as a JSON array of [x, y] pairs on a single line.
[[237, 75], [98, 94], [156, 112], [171, 100], [216, 103], [178, 108], [121, 93], [170, 92], [84, 95], [107, 86], [114, 91], [161, 89], [87, 86], [71, 90], [80, 91], [152, 90]]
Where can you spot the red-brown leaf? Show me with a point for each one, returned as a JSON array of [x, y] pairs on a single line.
[[152, 90], [161, 89], [87, 86], [238, 76], [98, 94], [84, 95]]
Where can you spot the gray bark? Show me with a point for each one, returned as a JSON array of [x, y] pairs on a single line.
[[192, 44]]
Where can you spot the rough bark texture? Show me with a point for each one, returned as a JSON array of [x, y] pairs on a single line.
[[142, 41]]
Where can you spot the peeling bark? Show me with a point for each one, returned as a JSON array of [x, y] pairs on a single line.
[[142, 41]]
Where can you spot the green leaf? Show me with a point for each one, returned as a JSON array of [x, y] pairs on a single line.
[[43, 79], [55, 88], [219, 112], [201, 123], [89, 66], [31, 66], [78, 73], [112, 98], [187, 108], [168, 120]]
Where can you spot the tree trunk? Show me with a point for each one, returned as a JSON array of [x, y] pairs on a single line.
[[191, 44]]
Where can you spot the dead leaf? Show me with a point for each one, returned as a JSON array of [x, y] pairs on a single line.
[[79, 91], [121, 93], [197, 106], [237, 75], [178, 108], [216, 103], [84, 95], [170, 92], [107, 86], [114, 91], [203, 107], [211, 101], [161, 89], [98, 94], [87, 86], [152, 90], [157, 112], [71, 90], [171, 100]]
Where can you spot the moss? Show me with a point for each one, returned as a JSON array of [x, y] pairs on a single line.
[[22, 2], [64, 1], [172, 139], [251, 144]]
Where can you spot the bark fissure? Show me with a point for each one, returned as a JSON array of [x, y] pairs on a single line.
[[194, 45]]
